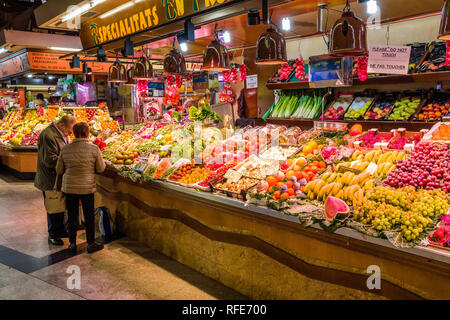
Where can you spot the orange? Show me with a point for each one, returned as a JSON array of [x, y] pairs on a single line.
[[289, 184], [314, 169], [311, 175], [277, 194], [271, 180], [301, 162], [297, 167], [307, 149], [290, 173], [284, 195], [280, 184], [313, 145], [322, 164], [290, 191]]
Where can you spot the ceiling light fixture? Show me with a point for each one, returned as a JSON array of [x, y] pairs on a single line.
[[80, 10], [215, 55], [30, 75], [371, 7], [271, 48], [117, 9], [348, 35], [174, 62], [64, 49], [183, 46], [50, 77], [286, 24], [117, 72], [2, 50], [225, 36]]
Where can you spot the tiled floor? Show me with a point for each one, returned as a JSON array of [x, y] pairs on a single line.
[[125, 269]]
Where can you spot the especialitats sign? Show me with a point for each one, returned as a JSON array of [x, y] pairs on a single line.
[[141, 16]]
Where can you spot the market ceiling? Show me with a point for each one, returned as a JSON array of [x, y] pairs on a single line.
[[302, 13]]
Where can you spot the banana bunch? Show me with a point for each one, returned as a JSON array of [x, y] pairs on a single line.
[[347, 186], [377, 156], [383, 169]]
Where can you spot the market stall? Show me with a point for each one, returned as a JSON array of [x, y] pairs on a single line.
[[339, 188]]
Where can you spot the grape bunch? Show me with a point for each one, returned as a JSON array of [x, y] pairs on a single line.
[[404, 210]]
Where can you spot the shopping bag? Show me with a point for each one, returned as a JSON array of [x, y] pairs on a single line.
[[55, 201]]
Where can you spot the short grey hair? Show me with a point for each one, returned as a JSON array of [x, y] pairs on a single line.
[[66, 121]]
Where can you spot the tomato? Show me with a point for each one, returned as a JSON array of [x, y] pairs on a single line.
[[277, 194], [311, 176], [290, 191], [289, 184], [315, 163]]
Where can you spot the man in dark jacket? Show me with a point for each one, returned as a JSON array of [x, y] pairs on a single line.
[[50, 142]]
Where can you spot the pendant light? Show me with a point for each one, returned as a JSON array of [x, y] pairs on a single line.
[[131, 81], [174, 61], [348, 35], [215, 55], [271, 48], [142, 69], [444, 28], [117, 72]]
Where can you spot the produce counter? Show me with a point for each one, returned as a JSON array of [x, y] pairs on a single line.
[[265, 254], [20, 161]]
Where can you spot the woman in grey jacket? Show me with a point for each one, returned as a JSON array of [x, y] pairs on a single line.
[[78, 163]]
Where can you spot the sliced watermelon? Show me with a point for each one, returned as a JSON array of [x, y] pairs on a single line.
[[334, 207]]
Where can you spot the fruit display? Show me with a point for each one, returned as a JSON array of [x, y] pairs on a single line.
[[439, 132], [399, 144], [358, 108], [338, 107], [405, 108], [299, 104], [441, 236], [257, 168], [405, 211], [242, 184], [126, 157], [434, 111], [381, 108], [322, 177], [217, 175], [372, 137], [278, 153], [189, 174], [428, 167]]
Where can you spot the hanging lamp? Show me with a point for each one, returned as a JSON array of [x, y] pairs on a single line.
[[117, 72], [444, 28], [142, 69], [174, 61], [271, 48], [215, 55], [348, 35], [131, 81]]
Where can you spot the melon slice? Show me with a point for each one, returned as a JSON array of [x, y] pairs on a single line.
[[335, 207]]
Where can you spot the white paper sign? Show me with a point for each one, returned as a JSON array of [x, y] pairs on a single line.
[[388, 59], [232, 176], [252, 81]]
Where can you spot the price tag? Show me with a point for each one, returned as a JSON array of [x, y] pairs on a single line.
[[388, 59], [252, 81], [372, 168], [165, 147], [232, 176]]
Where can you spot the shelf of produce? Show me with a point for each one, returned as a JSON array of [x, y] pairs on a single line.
[[20, 161], [382, 125], [236, 244], [382, 80]]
